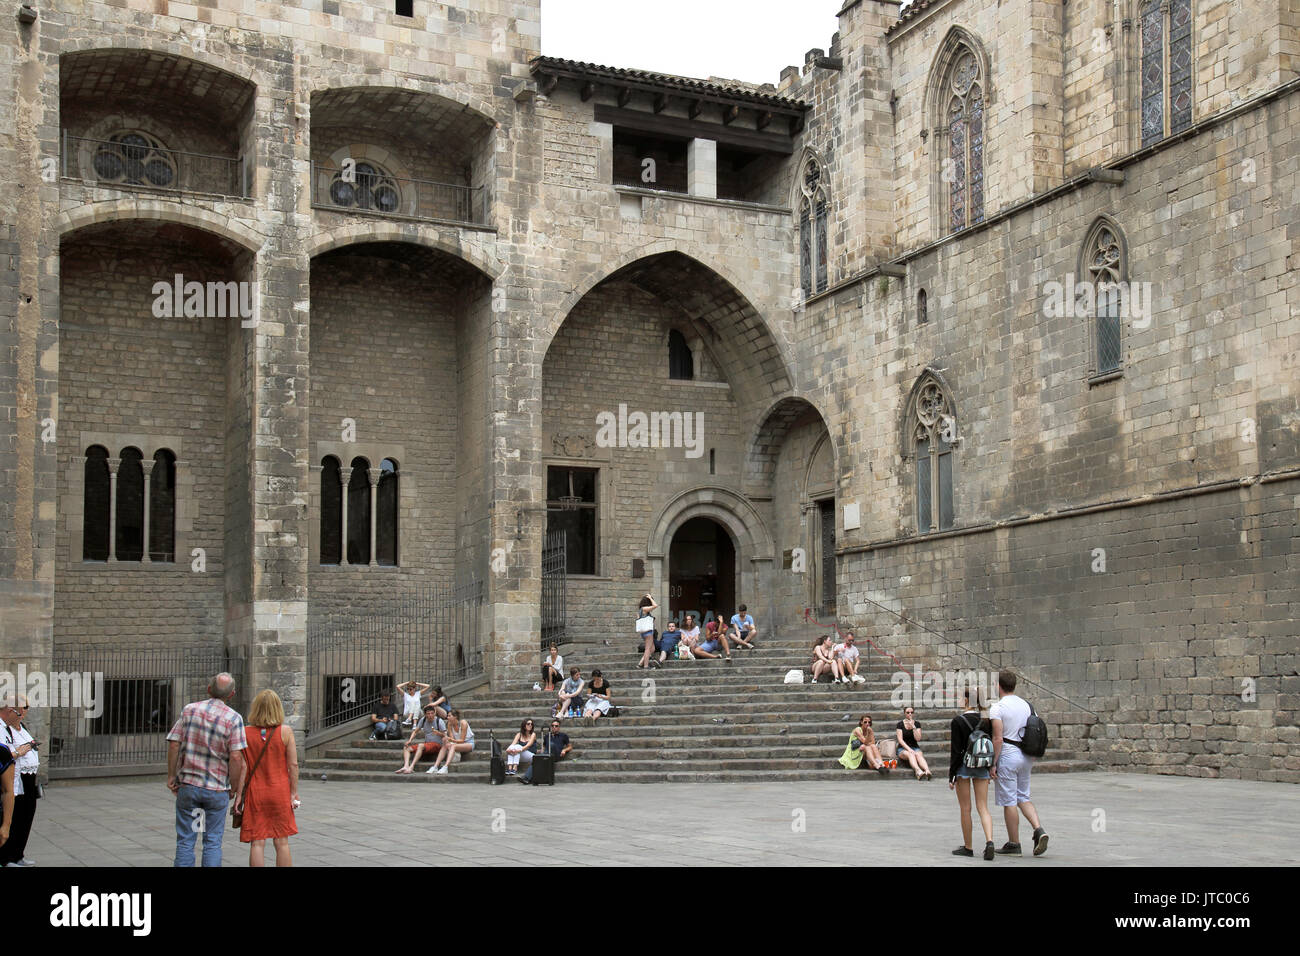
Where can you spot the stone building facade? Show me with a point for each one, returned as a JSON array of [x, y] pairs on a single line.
[[888, 286]]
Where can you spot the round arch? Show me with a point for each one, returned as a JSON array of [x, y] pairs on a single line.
[[158, 210], [750, 539], [414, 233]]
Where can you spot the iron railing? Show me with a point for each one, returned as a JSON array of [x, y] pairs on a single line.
[[138, 694], [134, 161], [428, 634], [374, 193], [554, 570]]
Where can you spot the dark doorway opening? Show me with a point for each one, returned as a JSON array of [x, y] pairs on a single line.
[[701, 570]]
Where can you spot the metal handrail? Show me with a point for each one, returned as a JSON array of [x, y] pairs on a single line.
[[190, 172], [387, 195]]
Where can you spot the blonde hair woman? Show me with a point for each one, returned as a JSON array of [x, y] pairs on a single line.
[[270, 792]]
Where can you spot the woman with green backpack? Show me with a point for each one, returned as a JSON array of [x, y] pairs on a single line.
[[969, 761]]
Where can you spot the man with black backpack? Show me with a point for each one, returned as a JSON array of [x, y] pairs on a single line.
[[1019, 735]]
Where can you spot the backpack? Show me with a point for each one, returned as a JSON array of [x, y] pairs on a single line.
[[1033, 743], [979, 748]]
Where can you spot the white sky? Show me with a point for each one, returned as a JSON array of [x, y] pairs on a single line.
[[750, 40]]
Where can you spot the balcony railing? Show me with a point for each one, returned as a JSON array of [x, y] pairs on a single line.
[[361, 189], [137, 161]]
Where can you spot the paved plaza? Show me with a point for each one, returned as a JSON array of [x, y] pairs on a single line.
[[1094, 819]]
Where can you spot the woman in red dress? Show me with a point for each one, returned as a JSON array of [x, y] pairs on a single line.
[[270, 793]]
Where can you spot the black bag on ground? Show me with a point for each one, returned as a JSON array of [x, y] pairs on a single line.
[[393, 731], [1033, 743], [497, 766]]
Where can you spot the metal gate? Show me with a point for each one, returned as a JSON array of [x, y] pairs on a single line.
[[427, 634], [554, 568]]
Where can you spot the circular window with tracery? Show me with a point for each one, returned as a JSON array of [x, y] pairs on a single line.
[[365, 186], [134, 158]]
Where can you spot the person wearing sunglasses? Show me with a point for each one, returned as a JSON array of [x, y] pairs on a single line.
[[560, 748], [521, 748], [908, 736]]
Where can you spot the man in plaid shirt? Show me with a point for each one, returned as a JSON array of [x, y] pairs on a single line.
[[205, 765]]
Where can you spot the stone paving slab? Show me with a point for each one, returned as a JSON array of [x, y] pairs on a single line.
[[1148, 820]]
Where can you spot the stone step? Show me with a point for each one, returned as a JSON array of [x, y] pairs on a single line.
[[573, 772]]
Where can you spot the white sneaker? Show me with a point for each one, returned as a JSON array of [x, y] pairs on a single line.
[[432, 770], [859, 679], [442, 770]]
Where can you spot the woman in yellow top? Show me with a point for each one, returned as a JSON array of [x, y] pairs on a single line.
[[866, 746]]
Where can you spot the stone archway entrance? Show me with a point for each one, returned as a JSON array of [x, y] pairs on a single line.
[[701, 570]]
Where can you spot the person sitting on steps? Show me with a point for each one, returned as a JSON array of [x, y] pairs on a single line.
[[598, 701], [847, 655], [552, 668], [569, 702], [715, 637], [521, 748], [743, 629], [824, 660], [667, 643], [908, 735], [430, 730]]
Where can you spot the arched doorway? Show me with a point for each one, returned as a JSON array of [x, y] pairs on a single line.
[[701, 570]]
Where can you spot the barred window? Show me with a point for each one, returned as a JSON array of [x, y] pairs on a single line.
[[572, 507], [1166, 51]]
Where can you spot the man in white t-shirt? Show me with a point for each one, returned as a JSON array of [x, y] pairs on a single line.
[[1011, 767], [848, 655]]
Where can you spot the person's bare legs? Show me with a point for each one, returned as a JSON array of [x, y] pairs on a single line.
[[962, 786], [282, 855], [910, 757], [649, 649], [920, 759], [257, 853], [1011, 817], [982, 808], [726, 648], [873, 754]]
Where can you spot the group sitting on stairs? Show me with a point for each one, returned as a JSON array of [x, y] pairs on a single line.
[[687, 643]]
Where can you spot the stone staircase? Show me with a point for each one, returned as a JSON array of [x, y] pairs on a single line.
[[691, 721]]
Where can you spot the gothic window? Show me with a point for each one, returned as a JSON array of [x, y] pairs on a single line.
[[358, 543], [1166, 50], [130, 506], [813, 204], [963, 171], [386, 514], [365, 186], [681, 364], [933, 430], [134, 158], [1106, 263], [162, 507], [331, 512], [922, 316], [572, 507], [97, 498]]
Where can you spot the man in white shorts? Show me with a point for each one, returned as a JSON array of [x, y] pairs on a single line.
[[848, 655], [1011, 767]]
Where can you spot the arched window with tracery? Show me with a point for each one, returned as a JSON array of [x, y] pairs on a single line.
[[1166, 70], [1105, 264], [963, 172], [933, 433], [813, 207], [97, 505], [386, 506]]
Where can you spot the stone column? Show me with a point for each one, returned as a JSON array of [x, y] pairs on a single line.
[[345, 479], [702, 168], [146, 466], [373, 475], [113, 465]]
